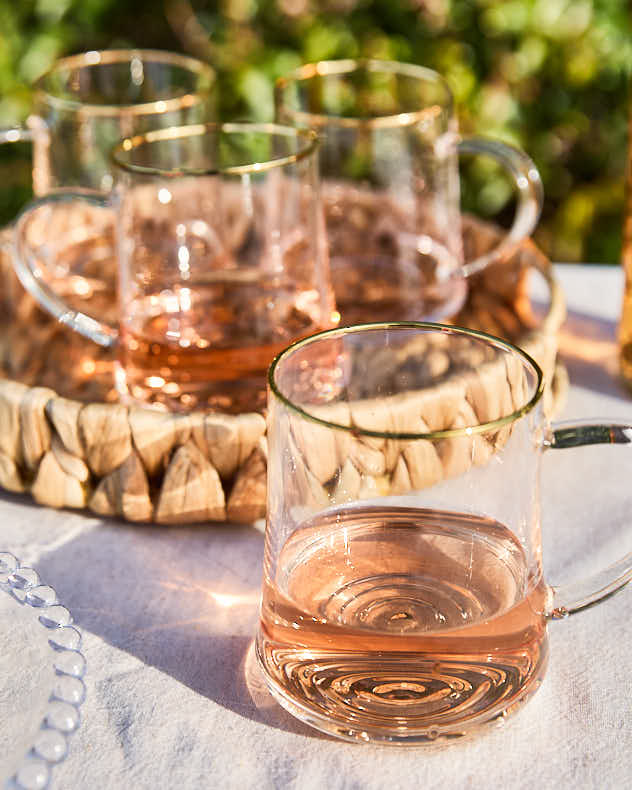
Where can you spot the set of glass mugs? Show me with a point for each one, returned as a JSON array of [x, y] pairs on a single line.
[[403, 592], [234, 239]]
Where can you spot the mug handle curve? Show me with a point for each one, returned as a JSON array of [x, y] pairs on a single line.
[[529, 190], [578, 595], [29, 274]]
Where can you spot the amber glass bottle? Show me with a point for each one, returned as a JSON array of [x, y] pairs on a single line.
[[625, 327]]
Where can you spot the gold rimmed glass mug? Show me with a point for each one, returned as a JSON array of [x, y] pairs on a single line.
[[403, 596], [389, 167], [82, 107], [221, 257], [87, 103]]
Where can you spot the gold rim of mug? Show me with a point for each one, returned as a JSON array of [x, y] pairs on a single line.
[[178, 132], [449, 433], [324, 68], [110, 56]]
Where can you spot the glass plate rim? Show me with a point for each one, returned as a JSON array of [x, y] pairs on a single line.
[[62, 716]]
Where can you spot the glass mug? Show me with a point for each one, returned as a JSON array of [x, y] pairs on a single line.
[[389, 168], [81, 108], [89, 102], [403, 598], [221, 261]]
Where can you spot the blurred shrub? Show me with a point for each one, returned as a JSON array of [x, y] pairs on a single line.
[[548, 75]]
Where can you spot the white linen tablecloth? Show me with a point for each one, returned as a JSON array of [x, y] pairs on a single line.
[[168, 615]]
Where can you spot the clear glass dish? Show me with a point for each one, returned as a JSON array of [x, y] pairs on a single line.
[[41, 678]]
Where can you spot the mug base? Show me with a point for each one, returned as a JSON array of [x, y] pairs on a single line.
[[406, 701]]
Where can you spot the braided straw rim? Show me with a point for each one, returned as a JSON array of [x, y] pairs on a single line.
[[243, 484]]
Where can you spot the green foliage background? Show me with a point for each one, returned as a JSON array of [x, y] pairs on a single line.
[[548, 75]]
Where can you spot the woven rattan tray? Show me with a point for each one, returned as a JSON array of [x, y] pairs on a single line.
[[66, 443]]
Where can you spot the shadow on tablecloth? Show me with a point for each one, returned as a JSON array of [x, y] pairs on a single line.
[[184, 600]]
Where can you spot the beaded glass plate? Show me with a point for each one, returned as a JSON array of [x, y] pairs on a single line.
[[41, 671]]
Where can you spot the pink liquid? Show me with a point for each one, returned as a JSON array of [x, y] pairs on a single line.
[[402, 625], [210, 345]]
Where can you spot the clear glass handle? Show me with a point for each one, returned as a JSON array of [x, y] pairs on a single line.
[[30, 275], [529, 190], [579, 595]]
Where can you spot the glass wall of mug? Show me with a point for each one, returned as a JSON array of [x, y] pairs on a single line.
[[389, 166], [221, 261], [403, 593]]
